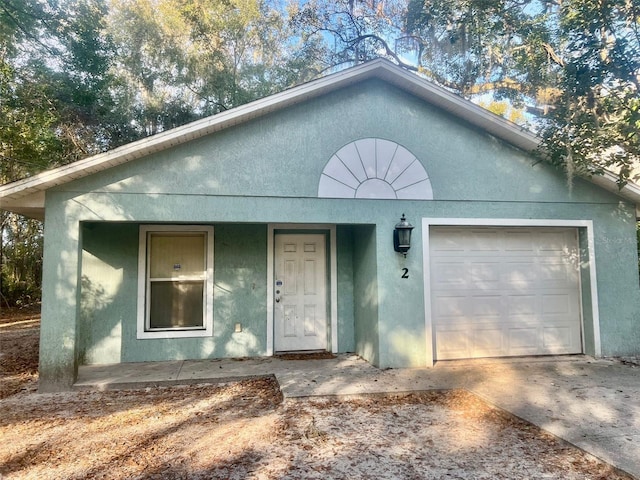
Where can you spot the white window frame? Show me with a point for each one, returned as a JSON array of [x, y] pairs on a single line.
[[143, 285]]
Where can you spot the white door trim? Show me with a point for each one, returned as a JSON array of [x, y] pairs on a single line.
[[427, 223], [333, 278]]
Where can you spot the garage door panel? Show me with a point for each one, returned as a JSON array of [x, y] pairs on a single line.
[[524, 340], [485, 274], [556, 270], [518, 241], [552, 241], [487, 306], [556, 303], [453, 344], [522, 306], [518, 275], [462, 343], [450, 274], [487, 342], [478, 275], [449, 306], [482, 241], [503, 292], [450, 243], [557, 338]]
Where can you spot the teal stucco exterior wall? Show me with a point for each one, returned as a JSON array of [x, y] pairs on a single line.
[[267, 171], [346, 308], [107, 324], [366, 293], [108, 297]]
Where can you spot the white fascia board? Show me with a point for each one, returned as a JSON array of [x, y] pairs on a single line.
[[608, 181], [380, 68], [176, 136], [31, 205], [460, 107]]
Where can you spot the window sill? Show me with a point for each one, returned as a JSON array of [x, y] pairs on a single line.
[[160, 334]]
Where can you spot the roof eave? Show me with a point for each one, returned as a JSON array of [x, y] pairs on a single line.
[[31, 205], [12, 193], [630, 191], [22, 194]]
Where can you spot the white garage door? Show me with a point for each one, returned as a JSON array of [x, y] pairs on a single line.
[[504, 291]]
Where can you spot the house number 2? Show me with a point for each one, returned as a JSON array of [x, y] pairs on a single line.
[[405, 273]]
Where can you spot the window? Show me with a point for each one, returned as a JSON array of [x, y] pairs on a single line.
[[175, 281]]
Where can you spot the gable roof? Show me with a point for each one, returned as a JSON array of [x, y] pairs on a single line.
[[27, 196]]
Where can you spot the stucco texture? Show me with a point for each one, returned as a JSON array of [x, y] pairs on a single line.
[[267, 171]]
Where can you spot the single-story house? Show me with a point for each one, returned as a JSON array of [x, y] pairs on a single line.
[[270, 228]]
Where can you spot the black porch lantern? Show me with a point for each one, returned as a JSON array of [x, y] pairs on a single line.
[[402, 236]]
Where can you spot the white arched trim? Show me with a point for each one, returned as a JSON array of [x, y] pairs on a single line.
[[374, 168]]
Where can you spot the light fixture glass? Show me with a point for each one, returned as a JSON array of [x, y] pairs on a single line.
[[402, 236]]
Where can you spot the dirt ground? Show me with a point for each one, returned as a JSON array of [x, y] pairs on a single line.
[[244, 430], [19, 342]]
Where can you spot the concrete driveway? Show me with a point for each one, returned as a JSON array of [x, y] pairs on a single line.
[[593, 404]]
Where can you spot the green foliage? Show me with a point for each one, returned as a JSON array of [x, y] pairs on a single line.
[[346, 32], [198, 57], [479, 46], [78, 77], [21, 266], [595, 123], [572, 66], [54, 85]]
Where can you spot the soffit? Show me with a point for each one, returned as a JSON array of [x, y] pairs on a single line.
[[27, 196]]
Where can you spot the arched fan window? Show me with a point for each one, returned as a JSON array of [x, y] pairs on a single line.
[[374, 168]]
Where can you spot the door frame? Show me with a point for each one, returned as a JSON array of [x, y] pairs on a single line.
[[332, 340], [427, 223]]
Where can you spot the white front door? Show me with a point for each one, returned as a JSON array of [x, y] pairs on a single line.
[[300, 293]]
